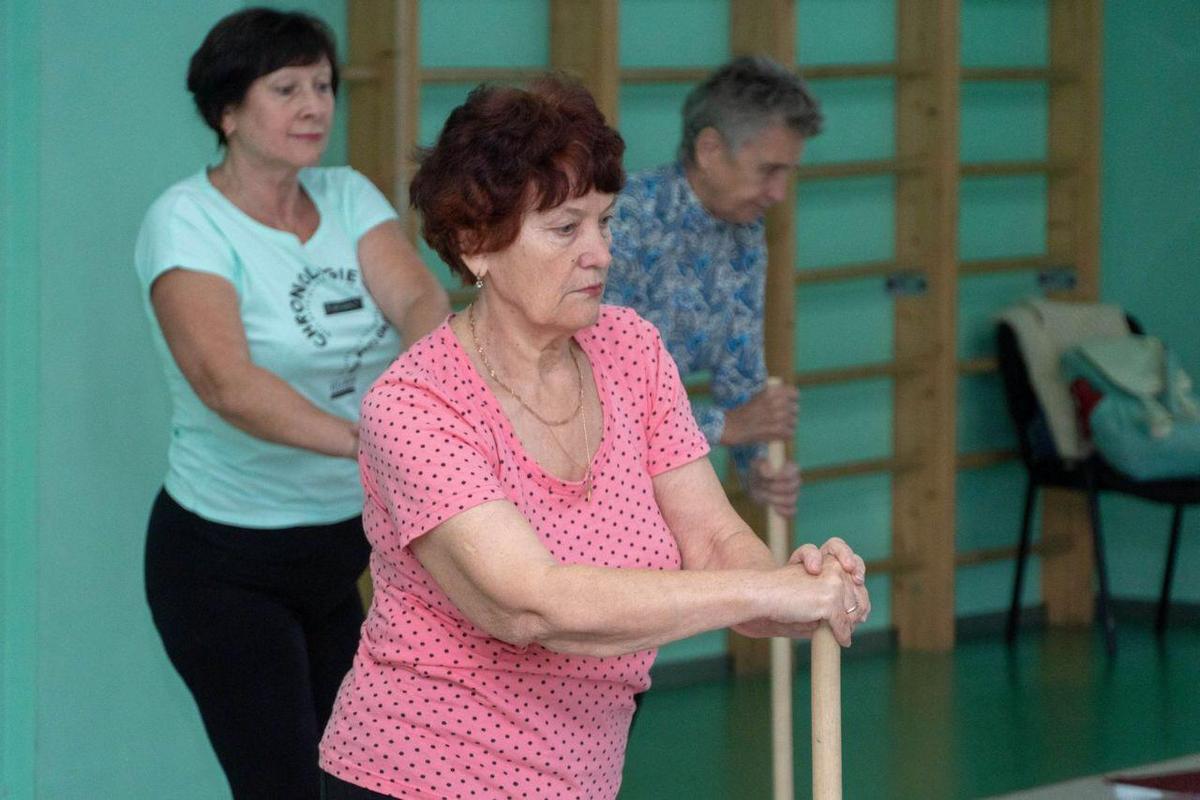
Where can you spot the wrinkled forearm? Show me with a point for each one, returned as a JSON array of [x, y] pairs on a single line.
[[600, 611]]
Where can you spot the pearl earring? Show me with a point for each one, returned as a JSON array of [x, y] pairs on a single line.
[[479, 282]]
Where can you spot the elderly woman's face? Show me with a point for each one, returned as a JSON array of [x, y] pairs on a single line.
[[555, 270], [285, 117]]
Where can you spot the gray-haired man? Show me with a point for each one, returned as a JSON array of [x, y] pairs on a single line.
[[689, 254]]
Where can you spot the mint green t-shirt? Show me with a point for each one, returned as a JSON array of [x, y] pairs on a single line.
[[308, 318]]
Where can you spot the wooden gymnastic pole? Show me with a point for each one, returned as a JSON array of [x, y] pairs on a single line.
[[779, 538], [826, 715], [826, 683]]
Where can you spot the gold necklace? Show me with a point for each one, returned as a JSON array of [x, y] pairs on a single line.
[[587, 447], [587, 453], [492, 372]]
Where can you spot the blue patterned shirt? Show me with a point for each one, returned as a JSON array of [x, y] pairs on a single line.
[[700, 280]]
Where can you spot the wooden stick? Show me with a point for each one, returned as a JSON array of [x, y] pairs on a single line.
[[781, 718], [826, 683], [826, 715], [779, 538]]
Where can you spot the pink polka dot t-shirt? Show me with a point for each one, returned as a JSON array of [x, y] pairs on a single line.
[[436, 708]]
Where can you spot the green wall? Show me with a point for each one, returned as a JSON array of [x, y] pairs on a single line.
[[116, 129], [18, 399], [1151, 237], [95, 123], [100, 124]]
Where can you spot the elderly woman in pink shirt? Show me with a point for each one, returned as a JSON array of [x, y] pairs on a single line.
[[539, 507]]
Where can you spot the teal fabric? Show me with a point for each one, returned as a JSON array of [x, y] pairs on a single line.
[[308, 318], [1146, 425]]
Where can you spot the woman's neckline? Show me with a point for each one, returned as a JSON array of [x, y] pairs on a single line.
[[496, 409], [301, 180]]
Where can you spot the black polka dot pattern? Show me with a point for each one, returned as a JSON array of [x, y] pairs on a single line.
[[436, 708]]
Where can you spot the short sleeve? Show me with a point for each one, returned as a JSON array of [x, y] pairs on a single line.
[[673, 438], [365, 205], [177, 233], [421, 462]]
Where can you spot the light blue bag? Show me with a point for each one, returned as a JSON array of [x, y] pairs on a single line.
[[1147, 425]]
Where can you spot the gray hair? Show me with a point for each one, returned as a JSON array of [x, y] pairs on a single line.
[[742, 98]]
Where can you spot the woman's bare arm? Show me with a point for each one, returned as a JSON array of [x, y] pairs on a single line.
[[491, 564], [402, 286], [198, 314]]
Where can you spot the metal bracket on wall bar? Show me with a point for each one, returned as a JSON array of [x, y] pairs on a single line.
[[1056, 279], [906, 284]]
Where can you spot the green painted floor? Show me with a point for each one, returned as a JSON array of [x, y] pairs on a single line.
[[977, 722]]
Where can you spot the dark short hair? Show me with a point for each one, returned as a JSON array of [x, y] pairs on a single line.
[[742, 98], [506, 151], [248, 44]]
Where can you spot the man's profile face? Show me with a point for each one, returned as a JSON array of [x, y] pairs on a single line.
[[744, 183]]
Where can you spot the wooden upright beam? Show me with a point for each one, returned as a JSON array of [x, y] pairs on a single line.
[[1067, 570], [385, 106], [1073, 139], [370, 51], [923, 513], [767, 27], [1073, 237], [383, 92], [583, 43]]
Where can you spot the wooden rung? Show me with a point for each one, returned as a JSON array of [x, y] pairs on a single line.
[[992, 169], [985, 458], [851, 272], [664, 74], [833, 472], [851, 169], [820, 72], [837, 375], [986, 555], [357, 73], [875, 466], [859, 372], [987, 265], [1051, 545], [984, 365], [1018, 74], [891, 566], [967, 558], [474, 75], [885, 69]]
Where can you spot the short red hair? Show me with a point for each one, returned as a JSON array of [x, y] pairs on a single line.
[[507, 151]]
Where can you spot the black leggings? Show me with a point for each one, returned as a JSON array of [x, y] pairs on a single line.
[[262, 626], [334, 788]]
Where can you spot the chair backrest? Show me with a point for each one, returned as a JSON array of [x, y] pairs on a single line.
[[1023, 406], [1029, 418]]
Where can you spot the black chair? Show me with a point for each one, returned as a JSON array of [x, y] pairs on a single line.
[[1044, 467]]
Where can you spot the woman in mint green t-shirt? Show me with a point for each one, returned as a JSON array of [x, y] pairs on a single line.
[[277, 292]]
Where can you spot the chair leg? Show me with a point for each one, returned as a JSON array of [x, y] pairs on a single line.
[[1164, 599], [1102, 607], [1014, 610]]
